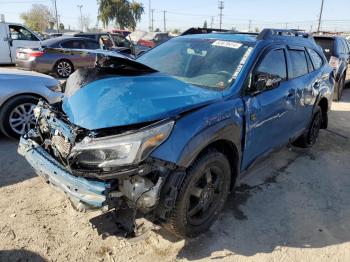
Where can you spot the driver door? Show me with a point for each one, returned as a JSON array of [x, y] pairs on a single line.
[[21, 37], [269, 113]]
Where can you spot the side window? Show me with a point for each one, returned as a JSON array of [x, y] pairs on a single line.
[[93, 45], [72, 44], [106, 41], [299, 64], [274, 63], [316, 59], [346, 47], [341, 47], [20, 33]]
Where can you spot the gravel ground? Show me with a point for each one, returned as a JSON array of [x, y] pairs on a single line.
[[295, 206]]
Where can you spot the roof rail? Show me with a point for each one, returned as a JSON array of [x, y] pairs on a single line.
[[269, 33]]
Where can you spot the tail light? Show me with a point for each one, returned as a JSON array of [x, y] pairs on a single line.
[[36, 53]]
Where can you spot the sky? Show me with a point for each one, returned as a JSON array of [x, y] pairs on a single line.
[[182, 14]]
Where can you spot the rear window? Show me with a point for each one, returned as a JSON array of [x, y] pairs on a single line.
[[327, 45], [316, 59], [299, 64]]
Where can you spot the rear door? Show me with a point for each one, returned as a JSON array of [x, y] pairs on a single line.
[[21, 37], [304, 80], [5, 55], [79, 60], [269, 114]]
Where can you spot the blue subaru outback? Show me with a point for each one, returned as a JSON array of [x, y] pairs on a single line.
[[170, 134]]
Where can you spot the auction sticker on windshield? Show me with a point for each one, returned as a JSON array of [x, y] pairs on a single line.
[[228, 44]]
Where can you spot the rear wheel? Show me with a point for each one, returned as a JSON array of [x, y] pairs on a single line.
[[309, 138], [17, 116], [64, 68], [202, 195]]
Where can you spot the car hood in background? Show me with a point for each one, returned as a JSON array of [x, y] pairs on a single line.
[[22, 75], [126, 100]]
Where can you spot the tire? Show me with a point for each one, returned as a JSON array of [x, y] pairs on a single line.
[[338, 89], [64, 68], [17, 117], [309, 138], [202, 195]]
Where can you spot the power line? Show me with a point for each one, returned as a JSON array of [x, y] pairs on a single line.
[[221, 7]]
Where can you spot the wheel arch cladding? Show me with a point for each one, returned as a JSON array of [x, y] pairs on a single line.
[[218, 126]]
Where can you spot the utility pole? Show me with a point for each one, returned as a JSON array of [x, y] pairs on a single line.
[[320, 18], [55, 6], [81, 17], [250, 26], [212, 22], [152, 20], [149, 16], [164, 21], [221, 7], [286, 25]]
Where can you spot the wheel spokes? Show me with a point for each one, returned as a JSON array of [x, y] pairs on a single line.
[[196, 191], [195, 209], [208, 177]]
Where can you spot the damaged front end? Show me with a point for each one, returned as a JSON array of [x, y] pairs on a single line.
[[96, 170]]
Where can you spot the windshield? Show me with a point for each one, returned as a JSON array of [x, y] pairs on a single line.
[[203, 62]]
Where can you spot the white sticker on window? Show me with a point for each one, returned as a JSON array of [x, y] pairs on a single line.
[[227, 44], [242, 62]]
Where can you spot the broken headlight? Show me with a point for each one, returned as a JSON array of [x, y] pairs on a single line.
[[119, 150]]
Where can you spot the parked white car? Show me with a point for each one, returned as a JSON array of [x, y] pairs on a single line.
[[20, 91], [13, 36]]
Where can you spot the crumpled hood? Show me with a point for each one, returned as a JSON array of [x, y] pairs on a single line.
[[126, 100]]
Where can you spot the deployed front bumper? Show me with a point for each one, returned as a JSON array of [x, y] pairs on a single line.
[[84, 193]]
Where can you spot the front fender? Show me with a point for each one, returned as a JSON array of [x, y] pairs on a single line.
[[196, 130]]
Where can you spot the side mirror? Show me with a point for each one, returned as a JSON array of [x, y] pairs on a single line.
[[264, 81]]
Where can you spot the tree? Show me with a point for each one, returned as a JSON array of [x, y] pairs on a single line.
[[124, 13], [257, 30], [38, 17], [205, 25], [61, 26]]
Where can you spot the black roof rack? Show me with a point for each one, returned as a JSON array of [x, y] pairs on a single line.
[[269, 33]]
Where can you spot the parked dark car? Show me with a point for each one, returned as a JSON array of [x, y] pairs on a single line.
[[170, 134], [337, 52], [53, 56]]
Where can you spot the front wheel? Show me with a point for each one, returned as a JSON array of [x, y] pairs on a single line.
[[202, 195]]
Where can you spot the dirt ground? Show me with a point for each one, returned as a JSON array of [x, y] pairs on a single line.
[[295, 206]]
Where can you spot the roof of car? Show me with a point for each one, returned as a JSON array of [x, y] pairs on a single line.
[[52, 41]]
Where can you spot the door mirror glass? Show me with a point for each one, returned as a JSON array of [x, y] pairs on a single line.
[[263, 81]]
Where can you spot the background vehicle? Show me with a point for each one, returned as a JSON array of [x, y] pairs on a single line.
[[54, 57], [193, 115], [135, 49], [105, 39], [121, 32], [336, 47], [13, 36], [152, 39], [20, 91]]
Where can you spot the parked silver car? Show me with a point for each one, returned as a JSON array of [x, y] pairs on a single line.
[[20, 91]]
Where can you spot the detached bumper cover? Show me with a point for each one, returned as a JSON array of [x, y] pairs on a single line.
[[87, 192]]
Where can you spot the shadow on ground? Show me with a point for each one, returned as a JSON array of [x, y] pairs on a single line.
[[20, 255], [296, 198], [13, 167]]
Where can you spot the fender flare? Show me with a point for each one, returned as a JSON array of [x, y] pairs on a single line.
[[226, 130]]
